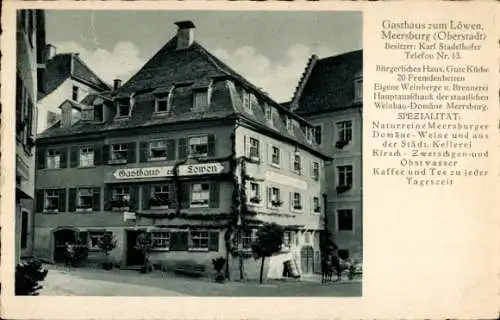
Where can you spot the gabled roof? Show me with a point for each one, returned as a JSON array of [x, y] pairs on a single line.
[[329, 84], [65, 65]]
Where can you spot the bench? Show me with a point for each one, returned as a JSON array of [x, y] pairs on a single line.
[[190, 269]]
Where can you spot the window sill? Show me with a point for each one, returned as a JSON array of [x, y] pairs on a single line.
[[123, 209], [198, 205], [160, 249], [121, 118], [198, 249], [50, 211], [162, 113], [254, 204], [297, 172], [87, 167], [297, 210], [83, 210], [53, 169], [157, 159], [118, 161], [275, 165], [159, 207]]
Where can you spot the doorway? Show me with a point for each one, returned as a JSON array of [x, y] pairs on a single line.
[[60, 238], [134, 256], [307, 259]]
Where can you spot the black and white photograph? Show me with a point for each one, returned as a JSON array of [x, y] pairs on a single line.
[[188, 153]]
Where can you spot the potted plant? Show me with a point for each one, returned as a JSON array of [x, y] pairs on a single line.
[[277, 203], [255, 199], [106, 244], [144, 244], [219, 264], [298, 207]]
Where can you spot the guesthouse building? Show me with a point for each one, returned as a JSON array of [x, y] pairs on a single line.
[[189, 152]]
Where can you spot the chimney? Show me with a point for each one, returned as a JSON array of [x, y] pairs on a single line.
[[185, 34], [50, 52], [117, 83]]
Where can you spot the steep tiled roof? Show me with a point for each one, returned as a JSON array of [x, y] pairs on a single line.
[[59, 69], [330, 84]]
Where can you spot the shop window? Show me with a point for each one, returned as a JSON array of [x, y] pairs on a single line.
[[200, 195], [345, 220], [87, 156], [199, 240], [198, 146], [161, 239], [53, 159]]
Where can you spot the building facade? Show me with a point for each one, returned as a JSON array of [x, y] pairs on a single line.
[[330, 96], [191, 153], [68, 79], [30, 65]]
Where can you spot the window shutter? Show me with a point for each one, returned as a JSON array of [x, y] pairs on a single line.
[[73, 158], [268, 196], [183, 241], [144, 151], [64, 158], [246, 147], [105, 153], [179, 241], [213, 241], [62, 200], [172, 195], [96, 199], [97, 154], [211, 145], [146, 191], [270, 153], [134, 197], [290, 199], [185, 195], [170, 149], [182, 148], [41, 157], [72, 200], [108, 195], [39, 195], [131, 152], [214, 195], [174, 241]]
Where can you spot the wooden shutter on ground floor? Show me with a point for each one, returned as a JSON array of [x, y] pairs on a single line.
[[213, 241], [40, 200], [214, 195], [179, 241], [146, 195], [131, 152], [96, 199], [62, 200], [144, 151], [73, 157], [185, 195], [72, 199]]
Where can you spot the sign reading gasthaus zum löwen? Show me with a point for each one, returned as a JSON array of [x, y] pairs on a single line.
[[168, 171]]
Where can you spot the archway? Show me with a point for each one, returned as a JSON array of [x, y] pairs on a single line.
[[307, 259], [61, 236]]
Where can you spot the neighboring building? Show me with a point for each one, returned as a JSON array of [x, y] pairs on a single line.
[[330, 96], [68, 80], [30, 44], [186, 150]]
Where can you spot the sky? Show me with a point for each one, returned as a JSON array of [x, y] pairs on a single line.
[[270, 49]]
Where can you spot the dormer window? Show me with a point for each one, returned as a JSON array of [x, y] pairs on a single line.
[[162, 105], [74, 95], [358, 89], [289, 124], [309, 134], [123, 108], [246, 101], [269, 113]]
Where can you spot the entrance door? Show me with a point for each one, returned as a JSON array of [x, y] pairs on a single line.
[[134, 256], [307, 259], [60, 239]]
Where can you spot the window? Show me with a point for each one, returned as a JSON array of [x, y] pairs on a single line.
[[269, 113], [254, 192], [246, 101], [201, 99], [53, 159], [309, 134], [161, 196], [123, 109], [158, 149], [51, 200], [287, 239], [198, 146], [247, 238], [162, 105], [297, 203], [344, 130], [344, 220], [199, 240], [87, 113], [315, 170], [161, 239], [84, 200], [344, 177], [274, 197], [317, 134], [307, 237], [86, 156], [24, 229], [200, 195], [119, 151], [254, 148], [94, 239], [316, 206], [343, 254], [74, 95], [289, 124], [275, 156], [358, 89], [121, 193], [297, 164]]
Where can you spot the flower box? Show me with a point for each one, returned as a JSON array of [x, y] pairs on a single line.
[[276, 203], [255, 200], [317, 209], [340, 144], [297, 207]]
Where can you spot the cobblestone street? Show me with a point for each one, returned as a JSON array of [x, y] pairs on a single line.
[[96, 282]]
